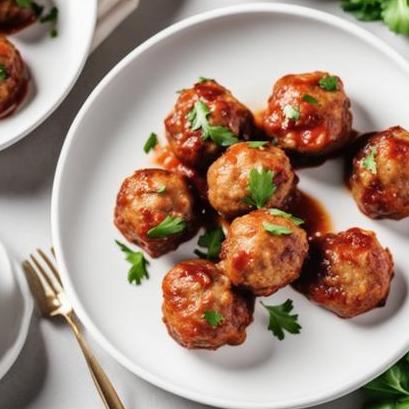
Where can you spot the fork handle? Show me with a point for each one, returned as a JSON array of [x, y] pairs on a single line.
[[106, 390]]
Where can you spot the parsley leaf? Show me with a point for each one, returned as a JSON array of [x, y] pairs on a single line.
[[281, 320], [3, 72], [212, 240], [369, 161], [204, 79], [364, 10], [310, 99], [151, 142], [329, 83], [276, 230], [167, 227], [52, 18], [161, 189], [282, 213], [257, 144], [218, 134], [292, 112], [213, 318], [395, 14], [261, 187], [138, 271], [23, 3]]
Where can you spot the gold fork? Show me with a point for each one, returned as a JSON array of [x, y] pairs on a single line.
[[45, 284]]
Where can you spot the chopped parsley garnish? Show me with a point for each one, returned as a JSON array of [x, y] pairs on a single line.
[[151, 142], [138, 270], [310, 99], [24, 3], [292, 112], [167, 227], [281, 320], [213, 318], [212, 240], [282, 213], [161, 189], [261, 187], [52, 18], [204, 79], [369, 161], [329, 83], [257, 144], [3, 72], [276, 230], [218, 134]]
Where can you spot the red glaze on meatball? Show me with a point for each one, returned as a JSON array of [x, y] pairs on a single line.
[[192, 290], [380, 175], [348, 273], [144, 201], [14, 18], [263, 252], [13, 84], [228, 178], [224, 111], [306, 118]]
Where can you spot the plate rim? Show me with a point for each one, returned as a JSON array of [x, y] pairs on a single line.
[[70, 84], [157, 380]]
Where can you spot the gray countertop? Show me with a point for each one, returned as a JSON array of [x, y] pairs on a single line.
[[51, 373]]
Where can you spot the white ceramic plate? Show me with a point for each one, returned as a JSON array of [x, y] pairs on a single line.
[[16, 307], [54, 65], [246, 48]]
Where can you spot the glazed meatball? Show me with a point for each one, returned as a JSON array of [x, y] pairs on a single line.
[[380, 175], [263, 252], [13, 79], [14, 17], [309, 114], [229, 177], [201, 309], [148, 198], [190, 143], [348, 273]]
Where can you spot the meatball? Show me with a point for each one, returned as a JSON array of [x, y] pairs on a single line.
[[229, 178], [264, 252], [380, 175], [201, 309], [210, 102], [309, 114], [13, 77], [148, 199], [348, 273], [14, 17]]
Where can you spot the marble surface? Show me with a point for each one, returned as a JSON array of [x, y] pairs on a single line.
[[51, 373]]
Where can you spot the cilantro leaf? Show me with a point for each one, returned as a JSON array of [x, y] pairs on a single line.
[[161, 189], [276, 230], [329, 83], [282, 213], [52, 18], [364, 10], [292, 112], [395, 14], [167, 227], [212, 240], [138, 270], [369, 161], [261, 187], [257, 144], [220, 135], [204, 79], [281, 320], [151, 142], [213, 318], [3, 72], [310, 99]]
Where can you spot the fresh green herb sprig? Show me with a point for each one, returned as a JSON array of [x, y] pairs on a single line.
[[3, 72], [282, 213], [169, 226], [139, 264], [257, 144], [292, 112], [329, 83], [151, 142], [213, 318], [276, 230], [212, 240], [198, 118], [310, 99], [261, 187], [369, 162], [281, 320]]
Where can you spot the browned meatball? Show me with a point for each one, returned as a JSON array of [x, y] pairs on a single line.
[[201, 309], [348, 273], [13, 77], [380, 176], [195, 147], [229, 178], [264, 252], [14, 17], [309, 113], [149, 198]]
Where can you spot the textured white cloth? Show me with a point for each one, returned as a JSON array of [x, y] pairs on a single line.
[[110, 15]]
